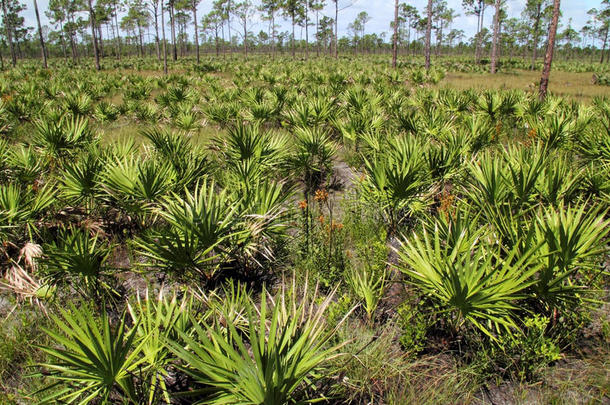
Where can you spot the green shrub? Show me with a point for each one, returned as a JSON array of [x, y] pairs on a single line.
[[413, 321], [523, 356]]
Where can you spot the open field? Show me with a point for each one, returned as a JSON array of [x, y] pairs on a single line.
[[576, 86], [274, 232]]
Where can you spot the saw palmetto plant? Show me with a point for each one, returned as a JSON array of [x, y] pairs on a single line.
[[574, 240], [94, 360], [457, 233], [397, 179], [80, 261], [476, 285], [198, 225], [283, 347]]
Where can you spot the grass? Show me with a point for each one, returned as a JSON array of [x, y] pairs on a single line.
[[123, 130], [577, 86], [19, 331]]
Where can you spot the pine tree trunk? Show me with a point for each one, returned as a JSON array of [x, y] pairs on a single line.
[[306, 29], [292, 39], [62, 39], [164, 41], [479, 49], [535, 37], [118, 32], [173, 27], [93, 36], [217, 43], [395, 38], [140, 42], [273, 34], [548, 58], [158, 47], [336, 29], [317, 33], [604, 46], [196, 30], [428, 34], [100, 40], [494, 47], [42, 47], [229, 27], [9, 34]]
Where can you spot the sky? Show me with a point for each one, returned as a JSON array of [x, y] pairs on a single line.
[[382, 12]]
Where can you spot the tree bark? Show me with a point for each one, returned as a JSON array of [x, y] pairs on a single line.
[[229, 27], [535, 37], [118, 32], [100, 40], [93, 36], [292, 39], [196, 30], [481, 22], [158, 47], [173, 27], [604, 46], [42, 46], [164, 41], [246, 37], [395, 38], [273, 34], [9, 34], [548, 58], [216, 39], [336, 29], [428, 34], [140, 42], [306, 29], [494, 46], [62, 40], [317, 33]]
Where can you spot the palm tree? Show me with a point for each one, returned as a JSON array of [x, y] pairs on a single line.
[[548, 59]]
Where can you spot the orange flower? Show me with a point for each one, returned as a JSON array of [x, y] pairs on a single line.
[[321, 219], [303, 204], [498, 128], [532, 133], [446, 201], [321, 195]]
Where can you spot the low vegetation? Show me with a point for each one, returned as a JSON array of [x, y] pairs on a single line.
[[291, 231]]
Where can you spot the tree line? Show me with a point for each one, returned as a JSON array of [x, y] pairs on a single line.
[[120, 28]]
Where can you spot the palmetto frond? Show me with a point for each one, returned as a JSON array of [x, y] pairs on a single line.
[[91, 359], [573, 239], [136, 185], [284, 345], [477, 285], [198, 225]]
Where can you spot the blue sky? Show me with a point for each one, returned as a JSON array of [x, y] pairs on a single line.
[[381, 12]]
